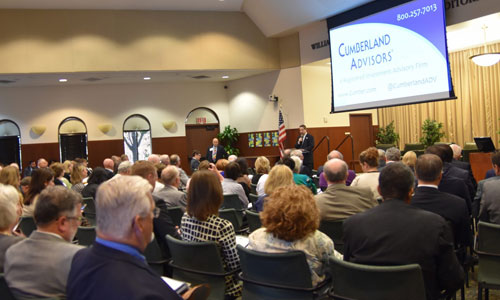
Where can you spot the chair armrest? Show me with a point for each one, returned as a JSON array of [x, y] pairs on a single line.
[[203, 272], [285, 287], [487, 253], [158, 262]]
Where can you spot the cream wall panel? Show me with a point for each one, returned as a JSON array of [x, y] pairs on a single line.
[[109, 104]]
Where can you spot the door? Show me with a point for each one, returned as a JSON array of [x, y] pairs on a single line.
[[199, 137], [10, 150], [362, 135], [73, 146]]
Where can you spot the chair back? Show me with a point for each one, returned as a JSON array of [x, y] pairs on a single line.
[[155, 258], [86, 235], [253, 198], [362, 282], [233, 216], [232, 201], [5, 293], [253, 188], [488, 250], [276, 275], [89, 212], [176, 213], [197, 263], [253, 219], [334, 230], [27, 225]]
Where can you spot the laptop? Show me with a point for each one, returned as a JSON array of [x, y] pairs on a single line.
[[484, 144]]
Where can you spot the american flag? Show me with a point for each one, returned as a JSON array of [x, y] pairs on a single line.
[[281, 134]]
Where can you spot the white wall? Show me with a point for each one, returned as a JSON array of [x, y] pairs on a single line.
[[99, 104], [249, 106]]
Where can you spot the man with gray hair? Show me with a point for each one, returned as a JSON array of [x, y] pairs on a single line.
[[154, 159], [175, 160], [124, 169], [323, 184], [392, 154], [170, 192], [115, 265], [340, 201], [39, 265], [165, 159]]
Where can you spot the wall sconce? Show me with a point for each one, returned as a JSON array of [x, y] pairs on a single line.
[[104, 128], [38, 129], [169, 125]]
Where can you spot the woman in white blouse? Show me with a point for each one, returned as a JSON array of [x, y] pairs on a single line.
[[369, 163]]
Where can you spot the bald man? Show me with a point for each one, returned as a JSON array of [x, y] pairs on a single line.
[[42, 163], [215, 152], [154, 159], [323, 184], [109, 166], [339, 201]]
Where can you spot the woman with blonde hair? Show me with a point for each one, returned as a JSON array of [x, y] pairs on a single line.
[[262, 166], [9, 216], [410, 159], [78, 173], [290, 222], [279, 176], [59, 179], [10, 176], [369, 164]]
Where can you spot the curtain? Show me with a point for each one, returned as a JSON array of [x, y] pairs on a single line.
[[475, 112]]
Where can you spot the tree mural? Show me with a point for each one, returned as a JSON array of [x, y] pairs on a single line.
[[137, 144]]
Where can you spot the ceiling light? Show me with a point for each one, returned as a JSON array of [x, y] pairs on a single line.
[[147, 78], [63, 80], [485, 59], [225, 77]]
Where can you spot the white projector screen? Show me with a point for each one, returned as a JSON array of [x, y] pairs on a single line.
[[387, 55]]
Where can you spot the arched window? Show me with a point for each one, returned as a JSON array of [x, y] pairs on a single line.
[[72, 139], [10, 142], [137, 137]]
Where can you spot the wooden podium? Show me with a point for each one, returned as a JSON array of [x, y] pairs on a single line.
[[480, 163]]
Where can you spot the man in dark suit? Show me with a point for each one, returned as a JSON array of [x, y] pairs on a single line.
[[115, 268], [109, 166], [427, 196], [305, 142], [216, 151], [395, 233]]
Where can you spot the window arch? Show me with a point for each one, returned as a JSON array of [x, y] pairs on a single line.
[[10, 142], [72, 139], [137, 137]]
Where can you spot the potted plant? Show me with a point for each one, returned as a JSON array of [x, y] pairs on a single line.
[[387, 137], [432, 132], [228, 137]]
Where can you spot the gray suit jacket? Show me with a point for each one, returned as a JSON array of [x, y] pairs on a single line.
[[490, 202], [340, 201], [5, 242], [172, 196], [184, 178], [39, 265], [479, 194]]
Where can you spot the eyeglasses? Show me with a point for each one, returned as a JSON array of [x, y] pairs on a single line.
[[156, 212]]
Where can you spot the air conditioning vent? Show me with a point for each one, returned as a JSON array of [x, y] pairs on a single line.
[[92, 79], [200, 77], [6, 81]]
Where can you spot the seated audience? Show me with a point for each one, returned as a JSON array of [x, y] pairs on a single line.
[[124, 169], [279, 176], [201, 223], [98, 176], [305, 170], [109, 167], [170, 193], [124, 157], [290, 222], [42, 163], [59, 178], [427, 196], [395, 233], [243, 179], [381, 159], [175, 160], [392, 154], [262, 166], [488, 194], [340, 201], [78, 174], [410, 159], [10, 176], [154, 159], [221, 165], [294, 164], [229, 184], [116, 162], [159, 183], [40, 179], [165, 159], [68, 167], [457, 155], [369, 164], [195, 160], [322, 180], [39, 265], [31, 166], [115, 267], [25, 184], [232, 158], [10, 210]]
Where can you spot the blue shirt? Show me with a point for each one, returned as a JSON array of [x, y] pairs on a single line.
[[122, 247]]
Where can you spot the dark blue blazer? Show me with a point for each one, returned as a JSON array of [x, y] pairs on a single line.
[[100, 272]]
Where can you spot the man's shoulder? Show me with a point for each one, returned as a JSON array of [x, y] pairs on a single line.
[[491, 179], [492, 184]]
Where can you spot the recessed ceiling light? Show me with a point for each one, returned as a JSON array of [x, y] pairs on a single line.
[[225, 77], [147, 78], [63, 80]]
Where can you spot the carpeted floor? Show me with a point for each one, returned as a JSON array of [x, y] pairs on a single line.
[[471, 292]]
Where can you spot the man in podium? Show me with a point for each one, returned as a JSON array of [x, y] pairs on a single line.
[[305, 142]]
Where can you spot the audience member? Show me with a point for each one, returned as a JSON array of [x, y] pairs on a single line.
[[410, 159], [322, 180], [109, 165], [59, 178], [229, 184], [124, 157], [201, 223], [42, 163], [39, 265], [216, 152], [232, 158], [10, 210], [457, 155], [427, 196], [279, 176], [25, 185], [195, 160], [115, 267], [488, 192], [340, 201], [95, 179], [262, 166], [381, 159], [175, 160], [170, 192], [290, 222], [125, 168], [221, 165], [159, 183], [40, 179], [300, 179], [10, 176], [116, 162], [77, 175], [305, 170], [31, 166], [165, 159], [68, 167], [392, 154], [243, 179], [369, 163], [154, 159], [395, 233]]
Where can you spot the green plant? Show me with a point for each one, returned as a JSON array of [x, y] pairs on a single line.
[[228, 137], [432, 132], [387, 135]]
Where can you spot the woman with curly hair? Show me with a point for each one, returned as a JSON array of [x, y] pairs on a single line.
[[369, 164], [291, 220]]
